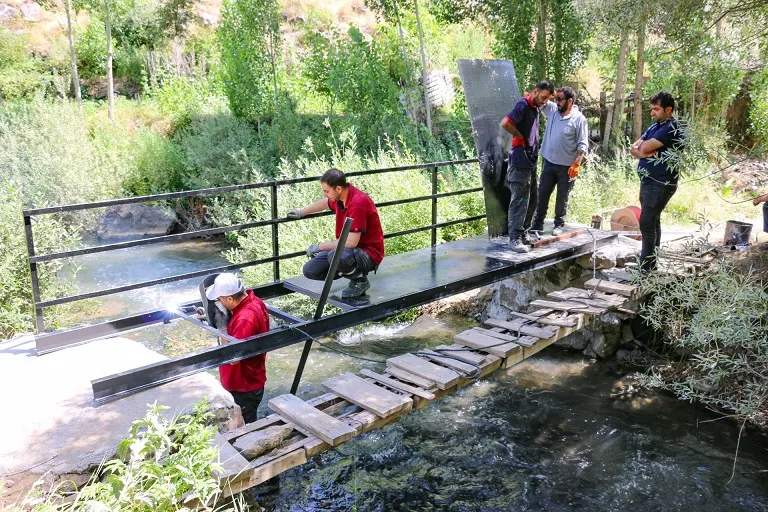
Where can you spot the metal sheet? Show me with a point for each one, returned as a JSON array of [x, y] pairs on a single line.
[[491, 90]]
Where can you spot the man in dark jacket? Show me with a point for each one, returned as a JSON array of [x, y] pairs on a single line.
[[243, 379], [523, 123]]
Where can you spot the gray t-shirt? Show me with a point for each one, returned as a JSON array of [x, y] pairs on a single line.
[[564, 136]]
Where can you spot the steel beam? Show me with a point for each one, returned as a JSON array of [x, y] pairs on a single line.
[[114, 386]]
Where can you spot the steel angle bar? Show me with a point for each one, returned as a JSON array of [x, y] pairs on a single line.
[[314, 295], [51, 342], [114, 386]]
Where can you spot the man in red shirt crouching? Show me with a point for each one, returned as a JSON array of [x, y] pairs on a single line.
[[244, 379], [364, 249]]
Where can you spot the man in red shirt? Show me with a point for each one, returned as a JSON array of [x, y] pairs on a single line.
[[364, 249], [243, 379]]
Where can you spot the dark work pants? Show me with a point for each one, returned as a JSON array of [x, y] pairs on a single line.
[[653, 199], [553, 175], [522, 184], [248, 401], [765, 217], [354, 263]]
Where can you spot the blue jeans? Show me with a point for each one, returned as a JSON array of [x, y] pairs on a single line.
[[521, 182], [354, 263], [653, 199], [553, 175]]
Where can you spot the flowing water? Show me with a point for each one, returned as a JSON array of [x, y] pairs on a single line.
[[543, 435]]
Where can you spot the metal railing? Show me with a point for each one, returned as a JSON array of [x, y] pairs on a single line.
[[274, 221]]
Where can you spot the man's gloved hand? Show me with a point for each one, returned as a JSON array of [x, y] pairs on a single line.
[[312, 250], [295, 213], [573, 171]]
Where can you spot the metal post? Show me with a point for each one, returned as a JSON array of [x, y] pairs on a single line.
[[434, 207], [323, 299], [275, 237], [39, 321]]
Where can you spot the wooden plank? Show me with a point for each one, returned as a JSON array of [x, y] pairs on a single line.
[[568, 306], [473, 339], [627, 290], [618, 275], [367, 395], [443, 377], [544, 321], [327, 428], [598, 302], [521, 326], [409, 377], [525, 341], [396, 384], [233, 465], [579, 293], [449, 361], [552, 239], [462, 354]]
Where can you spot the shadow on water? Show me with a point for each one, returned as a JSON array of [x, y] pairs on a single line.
[[544, 435]]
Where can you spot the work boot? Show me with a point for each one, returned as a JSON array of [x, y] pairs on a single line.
[[557, 231], [517, 245], [356, 288]]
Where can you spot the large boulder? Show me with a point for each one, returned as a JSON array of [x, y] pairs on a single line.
[[31, 11], [7, 12], [135, 221]]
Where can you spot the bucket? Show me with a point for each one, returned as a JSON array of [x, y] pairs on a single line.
[[737, 233]]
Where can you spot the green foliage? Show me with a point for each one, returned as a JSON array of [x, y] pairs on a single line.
[[91, 48], [164, 465], [16, 311], [183, 98], [20, 74], [250, 41], [758, 114], [716, 325], [158, 165]]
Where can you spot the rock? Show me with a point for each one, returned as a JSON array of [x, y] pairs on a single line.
[[604, 345], [31, 11], [256, 443], [624, 251], [7, 12], [135, 221], [208, 19], [628, 356], [575, 341]]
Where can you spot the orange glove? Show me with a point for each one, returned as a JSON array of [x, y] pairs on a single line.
[[573, 171]]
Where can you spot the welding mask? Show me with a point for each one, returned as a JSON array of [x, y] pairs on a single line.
[[215, 313]]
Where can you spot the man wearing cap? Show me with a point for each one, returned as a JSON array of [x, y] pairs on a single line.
[[523, 124], [243, 379], [364, 249]]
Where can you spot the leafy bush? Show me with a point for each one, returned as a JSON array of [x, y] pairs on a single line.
[[183, 98], [158, 165], [164, 465], [758, 113], [16, 310], [716, 325], [91, 48]]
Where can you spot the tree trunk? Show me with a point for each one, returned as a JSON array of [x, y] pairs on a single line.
[[73, 55], [110, 82], [427, 106], [412, 113], [637, 121], [616, 113], [541, 63], [273, 58]]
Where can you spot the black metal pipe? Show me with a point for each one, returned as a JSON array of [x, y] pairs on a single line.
[[222, 190], [275, 236], [323, 298], [39, 320], [434, 207]]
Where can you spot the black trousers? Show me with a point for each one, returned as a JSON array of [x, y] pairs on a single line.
[[654, 197], [354, 263], [521, 182], [248, 401], [765, 217], [553, 175]]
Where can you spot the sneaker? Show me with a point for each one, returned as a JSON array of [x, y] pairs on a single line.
[[356, 288], [517, 245], [557, 231], [526, 239]]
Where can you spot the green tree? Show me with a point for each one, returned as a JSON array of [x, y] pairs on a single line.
[[67, 7], [250, 42]]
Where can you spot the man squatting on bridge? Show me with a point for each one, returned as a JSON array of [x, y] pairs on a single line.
[[658, 175], [364, 249], [523, 123], [564, 146], [243, 379]]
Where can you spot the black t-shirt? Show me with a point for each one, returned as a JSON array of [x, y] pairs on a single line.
[[660, 169]]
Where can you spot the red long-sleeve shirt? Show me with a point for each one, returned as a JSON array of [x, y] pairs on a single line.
[[249, 318]]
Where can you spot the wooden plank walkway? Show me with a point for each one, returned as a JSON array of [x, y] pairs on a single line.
[[358, 404]]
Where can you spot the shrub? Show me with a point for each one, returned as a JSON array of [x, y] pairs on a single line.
[[716, 325], [158, 165], [91, 47], [19, 74], [758, 113]]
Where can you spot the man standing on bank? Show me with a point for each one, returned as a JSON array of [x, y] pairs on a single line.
[[364, 249], [523, 123], [565, 143], [658, 174], [243, 379]]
